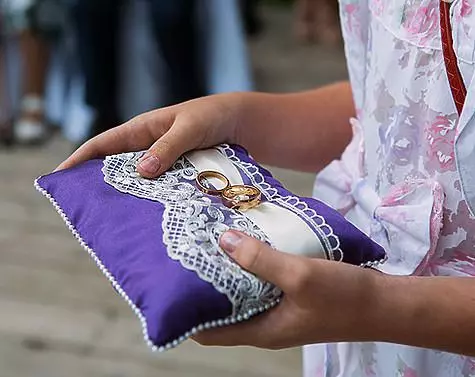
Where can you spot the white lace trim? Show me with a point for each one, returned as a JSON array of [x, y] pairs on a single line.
[[192, 224], [161, 348], [328, 238]]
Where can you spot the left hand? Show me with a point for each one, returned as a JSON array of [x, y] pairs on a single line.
[[323, 301]]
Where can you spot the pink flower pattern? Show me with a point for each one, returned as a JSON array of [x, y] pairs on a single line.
[[404, 370], [468, 368], [410, 126], [465, 10], [378, 7], [351, 20], [440, 144], [422, 21]]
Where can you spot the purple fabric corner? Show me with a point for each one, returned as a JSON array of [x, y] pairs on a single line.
[[126, 233]]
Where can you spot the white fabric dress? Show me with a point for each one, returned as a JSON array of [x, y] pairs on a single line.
[[408, 177]]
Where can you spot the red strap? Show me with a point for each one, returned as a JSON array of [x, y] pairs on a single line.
[[457, 86]]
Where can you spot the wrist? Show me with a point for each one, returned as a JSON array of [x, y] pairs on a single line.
[[353, 303], [365, 310], [394, 309], [251, 112], [370, 307], [427, 312], [227, 111]]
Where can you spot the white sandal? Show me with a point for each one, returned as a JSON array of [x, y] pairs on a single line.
[[29, 131]]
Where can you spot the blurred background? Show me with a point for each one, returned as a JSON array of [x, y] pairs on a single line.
[[70, 69]]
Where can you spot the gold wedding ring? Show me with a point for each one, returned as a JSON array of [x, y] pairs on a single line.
[[241, 197], [203, 182]]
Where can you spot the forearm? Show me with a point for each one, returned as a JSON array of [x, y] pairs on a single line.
[[428, 312], [303, 131]]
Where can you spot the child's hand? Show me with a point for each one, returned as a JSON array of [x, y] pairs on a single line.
[[323, 301], [168, 133]]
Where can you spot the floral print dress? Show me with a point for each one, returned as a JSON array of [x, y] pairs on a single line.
[[416, 164]]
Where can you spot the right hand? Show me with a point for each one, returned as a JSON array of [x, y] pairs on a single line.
[[168, 133]]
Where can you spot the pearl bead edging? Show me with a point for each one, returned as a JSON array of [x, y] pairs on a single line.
[[155, 348]]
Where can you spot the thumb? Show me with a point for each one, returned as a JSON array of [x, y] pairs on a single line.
[[260, 259], [165, 151]]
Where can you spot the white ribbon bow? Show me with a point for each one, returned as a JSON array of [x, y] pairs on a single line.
[[406, 222]]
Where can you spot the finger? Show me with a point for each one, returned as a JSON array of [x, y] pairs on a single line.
[[136, 134], [94, 148], [179, 139], [284, 270], [263, 331]]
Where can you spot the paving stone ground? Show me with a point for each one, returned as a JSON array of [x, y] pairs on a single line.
[[58, 315]]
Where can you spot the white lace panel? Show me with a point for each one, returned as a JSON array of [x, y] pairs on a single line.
[[192, 224]]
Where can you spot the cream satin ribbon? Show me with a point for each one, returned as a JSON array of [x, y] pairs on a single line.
[[286, 230]]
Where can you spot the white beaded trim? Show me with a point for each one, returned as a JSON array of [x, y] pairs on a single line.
[[374, 264], [204, 326]]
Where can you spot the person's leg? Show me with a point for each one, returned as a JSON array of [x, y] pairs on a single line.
[[97, 23], [175, 29], [327, 23], [30, 125], [34, 53], [251, 17], [6, 135], [317, 20]]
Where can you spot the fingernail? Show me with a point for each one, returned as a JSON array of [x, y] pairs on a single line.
[[230, 241], [150, 165]]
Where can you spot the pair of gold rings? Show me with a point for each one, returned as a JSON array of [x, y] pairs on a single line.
[[240, 197]]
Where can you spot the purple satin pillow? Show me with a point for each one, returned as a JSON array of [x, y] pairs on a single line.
[[157, 240]]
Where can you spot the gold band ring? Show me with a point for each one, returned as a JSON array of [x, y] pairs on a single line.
[[202, 181], [241, 197]]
